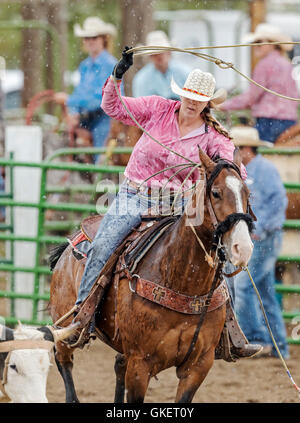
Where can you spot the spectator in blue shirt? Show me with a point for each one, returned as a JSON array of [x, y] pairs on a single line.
[[84, 103], [269, 202], [155, 77]]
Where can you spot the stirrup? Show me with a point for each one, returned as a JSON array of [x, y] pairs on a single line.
[[68, 314], [86, 335], [233, 343]]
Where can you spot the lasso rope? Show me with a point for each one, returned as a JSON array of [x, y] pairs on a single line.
[[219, 62], [271, 334]]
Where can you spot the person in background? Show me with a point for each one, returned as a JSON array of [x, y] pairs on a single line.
[[155, 77], [84, 103], [273, 114], [269, 202]]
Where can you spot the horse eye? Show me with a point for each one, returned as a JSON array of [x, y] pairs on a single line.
[[216, 194], [14, 367]]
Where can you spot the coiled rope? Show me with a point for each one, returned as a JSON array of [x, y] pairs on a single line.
[[219, 62]]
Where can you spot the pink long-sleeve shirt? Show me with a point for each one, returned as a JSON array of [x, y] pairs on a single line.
[[275, 73], [158, 116]]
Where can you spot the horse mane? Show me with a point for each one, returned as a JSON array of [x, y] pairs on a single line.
[[55, 254]]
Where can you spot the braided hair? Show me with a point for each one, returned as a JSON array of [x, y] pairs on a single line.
[[211, 121]]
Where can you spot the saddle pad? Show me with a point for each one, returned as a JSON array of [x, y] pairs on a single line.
[[81, 240], [90, 225]]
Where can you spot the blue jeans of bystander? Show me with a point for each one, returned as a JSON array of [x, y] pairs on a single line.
[[270, 129], [247, 308]]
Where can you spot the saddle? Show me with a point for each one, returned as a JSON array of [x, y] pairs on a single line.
[[128, 254]]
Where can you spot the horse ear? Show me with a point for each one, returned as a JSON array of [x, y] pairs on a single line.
[[237, 158], [205, 160]]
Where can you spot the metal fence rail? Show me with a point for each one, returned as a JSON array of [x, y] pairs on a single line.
[[41, 239]]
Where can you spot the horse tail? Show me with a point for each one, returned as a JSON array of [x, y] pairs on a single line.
[[55, 254]]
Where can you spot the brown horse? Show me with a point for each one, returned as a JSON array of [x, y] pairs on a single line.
[[121, 135], [150, 337]]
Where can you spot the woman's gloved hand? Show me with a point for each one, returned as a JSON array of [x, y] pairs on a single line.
[[124, 64]]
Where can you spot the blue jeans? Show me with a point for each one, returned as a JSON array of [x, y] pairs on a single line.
[[270, 129], [99, 127], [122, 217], [247, 307]]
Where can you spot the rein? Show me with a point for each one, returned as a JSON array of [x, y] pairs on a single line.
[[220, 229], [217, 276]]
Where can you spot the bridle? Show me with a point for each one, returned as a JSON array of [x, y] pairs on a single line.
[[220, 228]]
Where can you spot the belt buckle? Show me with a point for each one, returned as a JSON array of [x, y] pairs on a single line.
[[132, 283]]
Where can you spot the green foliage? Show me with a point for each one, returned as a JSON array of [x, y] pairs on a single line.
[[78, 10], [201, 4], [10, 40]]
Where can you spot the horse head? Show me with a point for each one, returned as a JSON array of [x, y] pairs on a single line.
[[227, 210]]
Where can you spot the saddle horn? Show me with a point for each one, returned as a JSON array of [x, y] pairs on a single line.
[[60, 334]]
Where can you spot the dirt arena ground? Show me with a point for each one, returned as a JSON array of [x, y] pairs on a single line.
[[253, 380]]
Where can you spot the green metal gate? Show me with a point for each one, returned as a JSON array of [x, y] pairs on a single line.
[[42, 239]]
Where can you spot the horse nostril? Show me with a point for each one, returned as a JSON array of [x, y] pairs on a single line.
[[235, 249]]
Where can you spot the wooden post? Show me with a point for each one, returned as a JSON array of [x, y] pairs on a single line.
[[31, 51], [137, 21], [56, 15], [258, 9]]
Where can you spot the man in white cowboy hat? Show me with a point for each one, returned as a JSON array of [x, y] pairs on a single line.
[[84, 103], [155, 77], [273, 71], [269, 201]]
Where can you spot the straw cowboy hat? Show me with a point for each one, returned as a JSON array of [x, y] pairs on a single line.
[[267, 32], [94, 26], [200, 86], [157, 39], [246, 136]]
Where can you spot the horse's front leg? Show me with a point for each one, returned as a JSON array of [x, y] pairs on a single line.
[[192, 375], [120, 370], [64, 362], [136, 379]]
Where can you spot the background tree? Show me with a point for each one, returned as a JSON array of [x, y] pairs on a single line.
[[137, 21], [31, 60]]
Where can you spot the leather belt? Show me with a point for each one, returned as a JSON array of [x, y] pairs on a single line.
[[148, 190]]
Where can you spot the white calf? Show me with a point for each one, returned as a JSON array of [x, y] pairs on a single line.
[[25, 361]]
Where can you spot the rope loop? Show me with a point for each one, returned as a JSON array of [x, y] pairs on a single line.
[[141, 50]]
